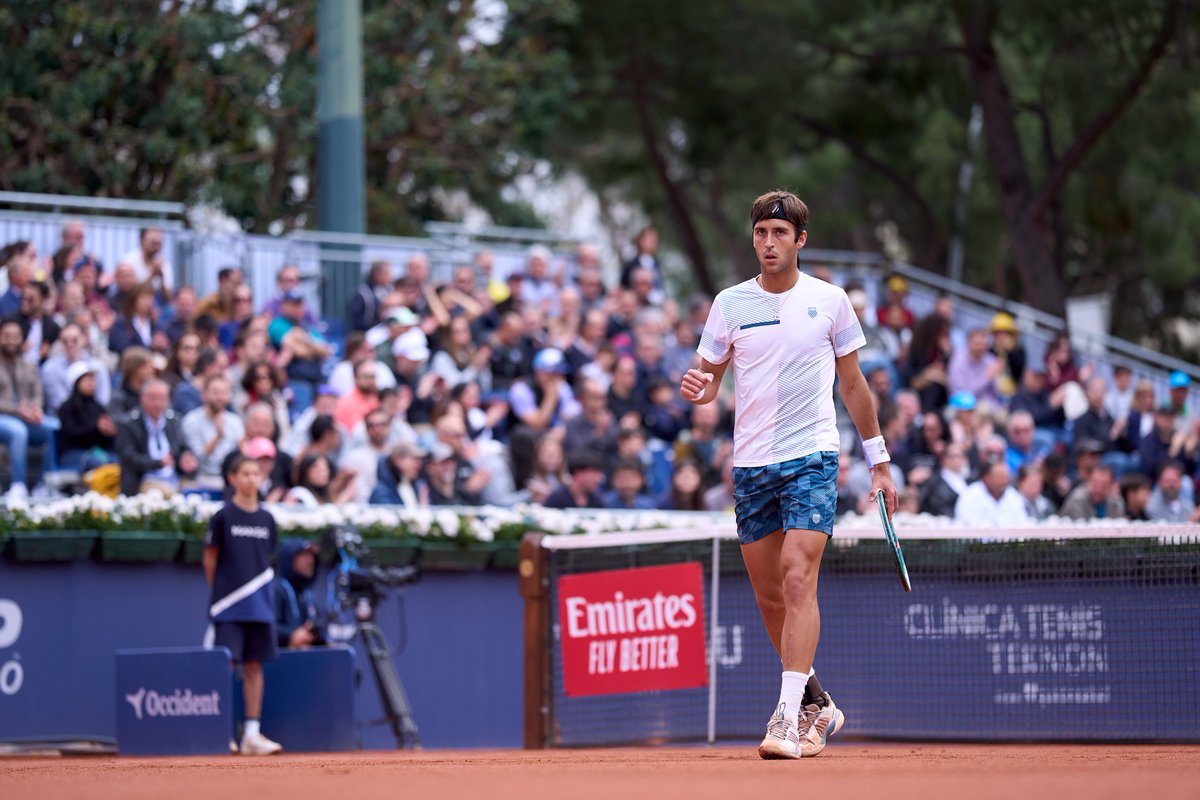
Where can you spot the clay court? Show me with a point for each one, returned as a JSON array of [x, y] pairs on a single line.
[[844, 772]]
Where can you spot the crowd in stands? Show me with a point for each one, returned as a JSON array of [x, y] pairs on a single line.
[[544, 385]]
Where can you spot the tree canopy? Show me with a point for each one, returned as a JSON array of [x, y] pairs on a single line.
[[1086, 171]]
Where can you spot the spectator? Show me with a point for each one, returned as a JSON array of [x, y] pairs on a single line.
[[1043, 405], [645, 257], [86, 426], [1139, 423], [1030, 483], [1168, 501], [20, 273], [720, 497], [241, 318], [135, 327], [461, 361], [365, 306], [591, 289], [1119, 401], [21, 420], [877, 352], [150, 265], [316, 483], [928, 359], [583, 489], [1096, 423], [1095, 499], [398, 480], [1179, 384], [1022, 447], [594, 429], [70, 350], [446, 475], [1155, 447], [549, 468], [259, 424], [413, 283], [72, 239], [896, 293], [364, 459], [136, 367], [1060, 364], [1135, 492], [124, 282], [686, 492], [628, 481], [324, 404], [212, 431], [181, 366], [183, 313], [1011, 353], [585, 346], [481, 422], [664, 417], [975, 369], [354, 406], [991, 501], [512, 352], [541, 403], [357, 350], [262, 383], [1087, 456], [1056, 485], [940, 493], [288, 281], [40, 331], [302, 351], [680, 353], [151, 448], [625, 399], [483, 468], [220, 304], [188, 395], [297, 624], [704, 442]]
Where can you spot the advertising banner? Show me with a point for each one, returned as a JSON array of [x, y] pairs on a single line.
[[174, 702], [633, 630]]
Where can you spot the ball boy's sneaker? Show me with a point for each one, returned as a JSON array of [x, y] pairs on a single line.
[[259, 745], [817, 724], [783, 736]]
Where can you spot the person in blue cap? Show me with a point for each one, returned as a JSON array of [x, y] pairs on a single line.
[[1180, 384]]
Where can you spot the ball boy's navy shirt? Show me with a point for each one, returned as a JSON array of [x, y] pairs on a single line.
[[246, 540]]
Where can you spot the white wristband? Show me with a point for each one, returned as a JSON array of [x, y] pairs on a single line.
[[875, 451]]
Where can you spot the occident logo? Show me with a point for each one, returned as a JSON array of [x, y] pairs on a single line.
[[180, 703], [12, 674]]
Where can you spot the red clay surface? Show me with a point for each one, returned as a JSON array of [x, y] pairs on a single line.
[[843, 772]]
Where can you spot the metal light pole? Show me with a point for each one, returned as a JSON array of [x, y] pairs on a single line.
[[341, 171]]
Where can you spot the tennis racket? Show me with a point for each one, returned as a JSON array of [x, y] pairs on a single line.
[[890, 533]]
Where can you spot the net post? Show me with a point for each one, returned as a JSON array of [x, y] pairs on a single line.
[[533, 573], [714, 594]]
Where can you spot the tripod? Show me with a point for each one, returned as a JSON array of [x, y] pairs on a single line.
[[391, 691]]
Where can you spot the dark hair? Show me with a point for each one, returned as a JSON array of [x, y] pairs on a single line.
[[13, 320], [236, 462], [693, 501], [208, 356], [11, 249], [252, 370], [204, 325], [225, 272], [1025, 470], [41, 287], [130, 304], [629, 464], [305, 466], [780, 204], [322, 425], [1131, 483], [220, 376], [1171, 463]]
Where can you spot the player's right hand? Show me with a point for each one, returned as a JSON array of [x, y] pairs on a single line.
[[694, 382]]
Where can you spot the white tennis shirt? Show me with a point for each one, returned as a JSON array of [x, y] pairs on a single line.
[[783, 348]]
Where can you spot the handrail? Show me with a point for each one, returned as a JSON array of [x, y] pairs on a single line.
[[460, 230], [58, 201]]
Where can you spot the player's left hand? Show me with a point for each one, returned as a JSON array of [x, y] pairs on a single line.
[[881, 481]]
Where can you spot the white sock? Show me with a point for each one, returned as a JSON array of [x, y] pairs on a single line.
[[252, 727], [791, 692]]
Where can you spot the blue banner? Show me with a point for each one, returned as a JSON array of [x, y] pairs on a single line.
[[174, 702]]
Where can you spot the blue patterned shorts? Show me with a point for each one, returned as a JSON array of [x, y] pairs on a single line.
[[799, 494]]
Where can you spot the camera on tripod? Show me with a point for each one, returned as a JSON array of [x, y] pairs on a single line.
[[358, 582]]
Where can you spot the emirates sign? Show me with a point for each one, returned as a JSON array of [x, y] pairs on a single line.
[[632, 630]]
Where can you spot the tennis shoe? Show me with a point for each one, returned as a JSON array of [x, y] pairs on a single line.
[[259, 745], [783, 736], [817, 724]]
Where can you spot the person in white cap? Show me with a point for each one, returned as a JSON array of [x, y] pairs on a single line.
[[85, 423]]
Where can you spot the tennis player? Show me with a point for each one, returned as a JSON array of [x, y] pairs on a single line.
[[787, 335]]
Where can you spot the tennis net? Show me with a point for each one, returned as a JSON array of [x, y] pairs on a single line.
[[1059, 635]]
